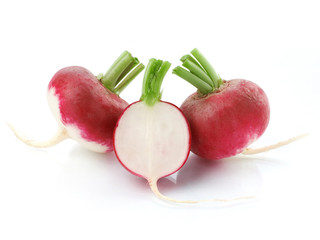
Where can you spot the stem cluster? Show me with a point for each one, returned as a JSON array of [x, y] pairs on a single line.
[[152, 80], [201, 74], [121, 73]]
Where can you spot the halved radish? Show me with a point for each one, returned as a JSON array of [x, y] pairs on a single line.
[[152, 138]]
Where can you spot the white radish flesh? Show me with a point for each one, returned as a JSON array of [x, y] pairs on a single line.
[[152, 141]]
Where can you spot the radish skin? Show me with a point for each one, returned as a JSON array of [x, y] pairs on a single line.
[[226, 121], [225, 117], [87, 107]]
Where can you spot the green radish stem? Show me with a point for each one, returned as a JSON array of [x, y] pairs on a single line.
[[198, 71], [201, 74], [121, 73], [201, 85], [152, 80], [128, 78], [134, 63], [207, 66]]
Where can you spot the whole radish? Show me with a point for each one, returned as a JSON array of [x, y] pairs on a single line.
[[152, 137], [87, 107], [224, 116]]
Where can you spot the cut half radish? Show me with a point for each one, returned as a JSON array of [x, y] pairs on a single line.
[[152, 141], [152, 138]]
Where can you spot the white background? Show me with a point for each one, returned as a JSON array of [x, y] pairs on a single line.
[[67, 192]]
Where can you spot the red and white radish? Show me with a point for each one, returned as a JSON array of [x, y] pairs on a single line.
[[152, 137], [225, 117], [87, 107]]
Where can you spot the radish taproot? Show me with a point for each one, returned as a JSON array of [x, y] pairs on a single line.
[[87, 107], [225, 117], [152, 137]]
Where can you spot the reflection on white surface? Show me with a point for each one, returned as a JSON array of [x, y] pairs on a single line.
[[93, 175], [225, 179], [67, 187]]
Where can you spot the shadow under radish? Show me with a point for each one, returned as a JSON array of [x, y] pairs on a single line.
[[100, 177], [222, 179]]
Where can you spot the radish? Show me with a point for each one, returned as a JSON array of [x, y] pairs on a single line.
[[87, 107], [225, 117], [152, 137]]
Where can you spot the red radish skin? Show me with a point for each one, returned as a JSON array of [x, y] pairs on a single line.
[[87, 107], [225, 116], [225, 122]]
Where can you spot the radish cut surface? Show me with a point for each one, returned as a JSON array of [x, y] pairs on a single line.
[[152, 142]]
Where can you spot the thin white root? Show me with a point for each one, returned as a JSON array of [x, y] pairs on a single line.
[[249, 151], [57, 138], [154, 187]]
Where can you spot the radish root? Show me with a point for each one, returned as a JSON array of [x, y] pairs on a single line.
[[57, 138], [249, 151], [154, 187]]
